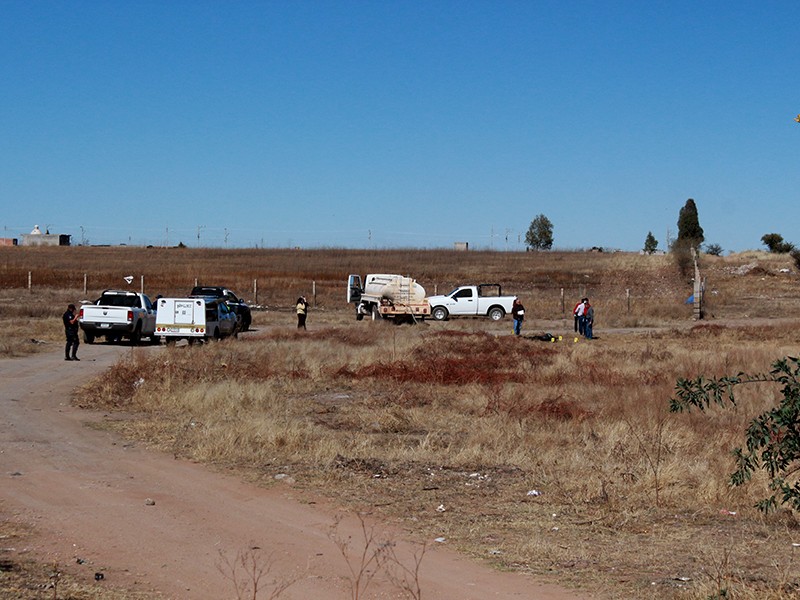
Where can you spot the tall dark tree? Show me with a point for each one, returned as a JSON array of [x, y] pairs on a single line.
[[540, 234], [690, 234], [650, 243]]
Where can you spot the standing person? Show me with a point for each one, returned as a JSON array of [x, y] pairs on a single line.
[[70, 318], [302, 312], [580, 321], [577, 316], [518, 314], [588, 315]]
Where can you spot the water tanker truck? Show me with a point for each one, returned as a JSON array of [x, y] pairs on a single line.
[[381, 296]]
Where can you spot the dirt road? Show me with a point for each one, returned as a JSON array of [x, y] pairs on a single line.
[[87, 493]]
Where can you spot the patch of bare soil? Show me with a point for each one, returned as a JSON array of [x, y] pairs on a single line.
[[120, 521]]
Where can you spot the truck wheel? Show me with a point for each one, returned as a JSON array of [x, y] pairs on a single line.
[[376, 314], [88, 337], [170, 341], [439, 313], [359, 316], [136, 338], [496, 313]]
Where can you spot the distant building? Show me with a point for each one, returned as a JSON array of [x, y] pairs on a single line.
[[8, 241], [462, 246], [37, 238]]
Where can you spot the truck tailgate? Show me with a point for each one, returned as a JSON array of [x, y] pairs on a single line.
[[117, 315]]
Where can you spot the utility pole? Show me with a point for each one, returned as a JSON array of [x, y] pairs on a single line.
[[199, 227]]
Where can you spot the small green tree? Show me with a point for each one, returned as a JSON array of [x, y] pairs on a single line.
[[772, 440], [775, 244], [650, 243], [540, 234]]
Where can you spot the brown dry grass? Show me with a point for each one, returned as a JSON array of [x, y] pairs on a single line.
[[462, 415], [408, 419]]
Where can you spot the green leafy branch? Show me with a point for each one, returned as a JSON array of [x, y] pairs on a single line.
[[772, 442]]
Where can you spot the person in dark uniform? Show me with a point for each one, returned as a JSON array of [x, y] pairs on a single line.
[[70, 319]]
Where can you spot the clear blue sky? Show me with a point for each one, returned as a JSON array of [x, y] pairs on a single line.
[[399, 123]]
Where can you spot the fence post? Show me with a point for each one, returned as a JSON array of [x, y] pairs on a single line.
[[563, 306], [628, 298], [255, 291], [314, 292], [85, 282], [30, 281], [141, 285]]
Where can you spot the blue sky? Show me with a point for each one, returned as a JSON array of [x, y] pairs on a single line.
[[399, 124]]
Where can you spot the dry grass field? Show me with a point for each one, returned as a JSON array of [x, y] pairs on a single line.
[[556, 458]]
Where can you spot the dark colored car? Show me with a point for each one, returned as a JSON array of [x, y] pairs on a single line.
[[236, 304]]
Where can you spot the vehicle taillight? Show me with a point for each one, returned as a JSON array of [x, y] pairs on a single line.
[[80, 315], [130, 315]]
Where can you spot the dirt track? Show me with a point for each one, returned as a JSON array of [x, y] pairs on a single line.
[[85, 490]]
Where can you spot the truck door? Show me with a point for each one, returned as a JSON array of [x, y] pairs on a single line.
[[149, 319], [184, 312], [354, 289], [465, 302]]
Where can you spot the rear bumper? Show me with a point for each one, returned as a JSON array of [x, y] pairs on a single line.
[[104, 328]]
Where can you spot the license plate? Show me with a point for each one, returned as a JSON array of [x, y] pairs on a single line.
[[172, 329], [105, 325]]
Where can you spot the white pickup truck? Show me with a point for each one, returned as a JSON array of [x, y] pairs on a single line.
[[118, 314], [484, 300]]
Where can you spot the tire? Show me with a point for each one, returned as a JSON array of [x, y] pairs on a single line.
[[359, 316], [217, 337], [376, 314], [136, 338], [170, 342], [88, 337], [496, 313], [439, 313], [246, 322]]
